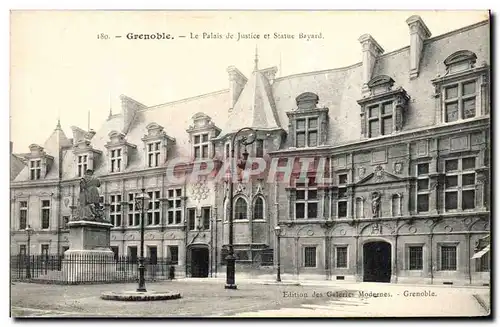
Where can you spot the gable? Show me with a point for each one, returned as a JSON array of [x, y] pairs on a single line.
[[378, 177]]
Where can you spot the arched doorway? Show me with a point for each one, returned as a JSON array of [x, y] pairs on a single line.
[[199, 261], [377, 262]]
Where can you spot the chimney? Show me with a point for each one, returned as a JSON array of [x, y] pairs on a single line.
[[237, 82], [418, 34], [371, 51]]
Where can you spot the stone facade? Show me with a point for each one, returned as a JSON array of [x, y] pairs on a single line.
[[404, 137]]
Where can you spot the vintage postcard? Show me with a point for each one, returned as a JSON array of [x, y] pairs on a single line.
[[250, 164]]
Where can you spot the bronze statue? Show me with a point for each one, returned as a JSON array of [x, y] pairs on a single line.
[[375, 204], [90, 207]]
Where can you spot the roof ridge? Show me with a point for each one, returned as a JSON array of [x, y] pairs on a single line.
[[186, 99]]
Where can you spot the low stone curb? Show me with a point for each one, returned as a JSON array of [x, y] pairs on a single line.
[[140, 296], [279, 283]]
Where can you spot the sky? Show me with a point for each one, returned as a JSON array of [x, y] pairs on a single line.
[[60, 69]]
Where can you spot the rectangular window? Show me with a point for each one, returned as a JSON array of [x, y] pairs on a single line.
[[35, 169], [201, 146], [153, 254], [82, 164], [448, 258], [423, 190], [380, 119], [174, 206], [415, 256], [134, 214], [306, 132], [22, 249], [173, 252], [23, 214], [45, 214], [306, 200], [341, 257], [45, 251], [460, 101], [115, 210], [310, 256], [116, 160], [259, 148], [191, 219], [132, 254], [460, 183], [153, 154], [154, 208], [483, 263], [342, 209], [205, 216]]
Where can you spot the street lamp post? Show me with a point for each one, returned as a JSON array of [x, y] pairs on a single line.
[[277, 231], [230, 264], [28, 230], [141, 201]]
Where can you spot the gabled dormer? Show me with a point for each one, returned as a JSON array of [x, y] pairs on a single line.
[[462, 91], [86, 157], [118, 152], [200, 135], [156, 145], [383, 109], [307, 125], [39, 162]]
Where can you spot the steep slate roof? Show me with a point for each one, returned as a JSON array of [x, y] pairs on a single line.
[[255, 106], [263, 104], [16, 166]]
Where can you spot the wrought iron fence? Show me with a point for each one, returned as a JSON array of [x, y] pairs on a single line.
[[84, 268]]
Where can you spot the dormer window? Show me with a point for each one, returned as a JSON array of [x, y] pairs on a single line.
[[153, 153], [118, 152], [462, 90], [201, 133], [308, 123], [82, 164], [201, 146], [35, 169], [39, 162], [383, 111], [156, 143], [116, 160]]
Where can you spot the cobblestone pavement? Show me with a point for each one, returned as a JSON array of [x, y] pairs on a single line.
[[209, 299]]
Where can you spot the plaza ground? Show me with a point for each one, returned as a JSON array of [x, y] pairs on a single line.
[[208, 298]]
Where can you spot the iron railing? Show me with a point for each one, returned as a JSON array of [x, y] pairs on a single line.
[[85, 268]]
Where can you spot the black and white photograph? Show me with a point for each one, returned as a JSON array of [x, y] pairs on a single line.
[[244, 164]]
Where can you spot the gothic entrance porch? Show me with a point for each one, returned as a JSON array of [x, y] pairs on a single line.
[[377, 262], [198, 261]]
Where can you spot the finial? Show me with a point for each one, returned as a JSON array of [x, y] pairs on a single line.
[[110, 108], [256, 67], [58, 123]]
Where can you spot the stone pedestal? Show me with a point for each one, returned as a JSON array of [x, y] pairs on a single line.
[[89, 258]]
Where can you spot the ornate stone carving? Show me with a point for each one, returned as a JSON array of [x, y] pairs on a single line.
[[376, 229], [398, 167], [361, 172], [379, 172], [376, 204], [200, 191]]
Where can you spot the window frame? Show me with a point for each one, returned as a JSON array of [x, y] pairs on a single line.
[[341, 246], [175, 211], [409, 246], [342, 199], [169, 254], [153, 153], [460, 98], [35, 166], [304, 255], [115, 209], [23, 210], [201, 144], [306, 201], [306, 131], [154, 207], [254, 206], [380, 117], [82, 164], [45, 208], [459, 188], [116, 160], [426, 191], [245, 213], [440, 253], [133, 213]]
